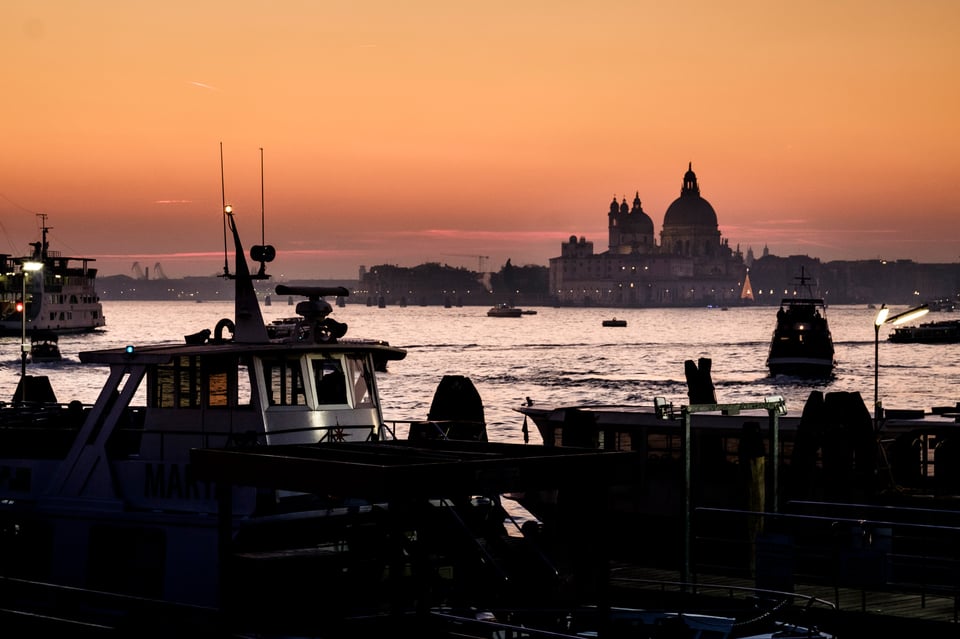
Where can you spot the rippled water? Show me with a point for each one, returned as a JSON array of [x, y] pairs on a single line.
[[558, 356]]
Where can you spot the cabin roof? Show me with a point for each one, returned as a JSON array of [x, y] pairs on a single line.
[[161, 354]]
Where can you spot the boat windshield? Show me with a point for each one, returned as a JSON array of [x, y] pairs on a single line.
[[341, 380]]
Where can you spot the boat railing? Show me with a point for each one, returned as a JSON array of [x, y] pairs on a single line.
[[726, 588], [774, 405], [834, 546], [458, 429]]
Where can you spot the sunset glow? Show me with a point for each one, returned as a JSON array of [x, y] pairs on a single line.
[[437, 131]]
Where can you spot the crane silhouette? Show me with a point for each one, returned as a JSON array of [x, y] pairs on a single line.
[[140, 274]]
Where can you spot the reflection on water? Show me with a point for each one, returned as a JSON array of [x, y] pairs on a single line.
[[558, 356]]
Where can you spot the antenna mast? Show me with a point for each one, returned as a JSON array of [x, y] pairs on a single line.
[[262, 232], [223, 209]]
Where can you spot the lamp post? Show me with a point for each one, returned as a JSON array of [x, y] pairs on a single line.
[[25, 267], [884, 318]]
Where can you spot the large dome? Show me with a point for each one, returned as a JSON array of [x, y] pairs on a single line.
[[690, 209]]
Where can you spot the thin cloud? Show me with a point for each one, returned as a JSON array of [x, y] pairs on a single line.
[[204, 85], [156, 256]]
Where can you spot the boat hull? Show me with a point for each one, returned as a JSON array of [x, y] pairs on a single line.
[[807, 367], [944, 332]]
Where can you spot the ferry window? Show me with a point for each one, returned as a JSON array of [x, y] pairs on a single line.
[[188, 377], [162, 388], [362, 395], [244, 385], [284, 382], [331, 383], [177, 384], [222, 383]]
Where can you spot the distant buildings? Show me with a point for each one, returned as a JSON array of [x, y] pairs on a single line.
[[691, 266]]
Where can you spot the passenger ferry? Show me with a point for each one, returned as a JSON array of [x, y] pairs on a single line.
[[57, 293]]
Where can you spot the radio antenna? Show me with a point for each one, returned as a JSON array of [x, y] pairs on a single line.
[[223, 209], [262, 231]]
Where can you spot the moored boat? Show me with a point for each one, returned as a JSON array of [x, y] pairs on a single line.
[[47, 291], [615, 322], [941, 332], [802, 345]]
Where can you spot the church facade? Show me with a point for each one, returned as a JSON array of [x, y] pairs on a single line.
[[692, 265]]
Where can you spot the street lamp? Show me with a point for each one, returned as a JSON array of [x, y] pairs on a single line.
[[25, 267], [882, 318]]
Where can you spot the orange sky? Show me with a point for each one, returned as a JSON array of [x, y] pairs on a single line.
[[438, 131]]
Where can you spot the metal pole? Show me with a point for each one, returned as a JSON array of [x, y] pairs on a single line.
[[687, 503], [23, 335], [23, 322], [876, 376]]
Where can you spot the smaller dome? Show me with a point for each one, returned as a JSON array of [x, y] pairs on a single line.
[[640, 222]]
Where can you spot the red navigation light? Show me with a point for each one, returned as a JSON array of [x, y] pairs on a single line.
[[19, 306]]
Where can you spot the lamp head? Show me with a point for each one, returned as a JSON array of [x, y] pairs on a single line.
[[881, 315], [777, 403]]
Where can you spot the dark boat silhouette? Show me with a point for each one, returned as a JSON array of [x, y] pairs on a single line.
[[802, 345]]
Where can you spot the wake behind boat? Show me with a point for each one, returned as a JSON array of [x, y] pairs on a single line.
[[802, 345], [57, 293]]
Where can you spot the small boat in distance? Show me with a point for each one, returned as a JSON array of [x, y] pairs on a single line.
[[942, 332], [802, 345], [44, 347], [57, 293], [615, 322], [504, 310]]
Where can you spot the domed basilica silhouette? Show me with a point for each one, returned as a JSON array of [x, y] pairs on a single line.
[[692, 265]]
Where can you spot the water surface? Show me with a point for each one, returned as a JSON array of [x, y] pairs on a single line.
[[559, 356]]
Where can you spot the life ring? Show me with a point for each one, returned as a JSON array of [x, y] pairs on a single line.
[[225, 323]]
